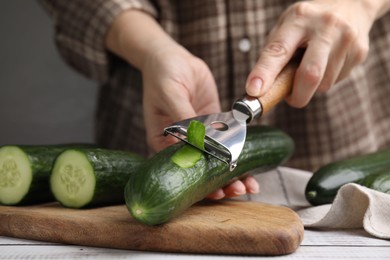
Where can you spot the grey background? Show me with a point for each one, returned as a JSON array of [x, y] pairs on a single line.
[[42, 99]]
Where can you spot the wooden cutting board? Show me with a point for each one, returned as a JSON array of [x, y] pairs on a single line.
[[216, 227]]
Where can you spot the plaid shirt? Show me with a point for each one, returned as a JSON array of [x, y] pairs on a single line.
[[352, 118]]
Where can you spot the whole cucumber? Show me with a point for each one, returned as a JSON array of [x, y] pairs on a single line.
[[379, 181], [161, 190], [326, 181]]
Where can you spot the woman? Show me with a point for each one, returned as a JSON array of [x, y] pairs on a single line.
[[162, 61]]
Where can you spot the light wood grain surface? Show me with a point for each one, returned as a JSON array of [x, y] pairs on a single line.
[[219, 227], [347, 244]]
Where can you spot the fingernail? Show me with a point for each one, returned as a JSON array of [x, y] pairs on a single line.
[[239, 192], [254, 187], [254, 87], [217, 195]]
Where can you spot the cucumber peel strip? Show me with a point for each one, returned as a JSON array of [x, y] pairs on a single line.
[[188, 156]]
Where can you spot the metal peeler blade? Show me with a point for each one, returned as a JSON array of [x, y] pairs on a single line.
[[226, 132]]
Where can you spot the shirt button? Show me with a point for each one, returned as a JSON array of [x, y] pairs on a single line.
[[244, 45]]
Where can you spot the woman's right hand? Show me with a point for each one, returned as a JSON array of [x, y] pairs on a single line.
[[177, 86]]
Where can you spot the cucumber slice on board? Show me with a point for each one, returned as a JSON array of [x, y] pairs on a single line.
[[15, 175], [25, 172]]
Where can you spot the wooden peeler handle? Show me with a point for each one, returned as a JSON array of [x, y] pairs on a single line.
[[282, 86], [253, 107]]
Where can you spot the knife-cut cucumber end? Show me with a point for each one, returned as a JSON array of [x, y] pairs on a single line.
[[73, 180], [15, 175]]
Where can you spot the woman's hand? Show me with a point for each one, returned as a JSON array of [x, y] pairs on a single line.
[[248, 184], [335, 36]]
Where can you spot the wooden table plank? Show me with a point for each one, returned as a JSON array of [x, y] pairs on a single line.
[[316, 245]]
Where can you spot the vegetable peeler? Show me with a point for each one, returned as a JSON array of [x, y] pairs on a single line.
[[226, 132]]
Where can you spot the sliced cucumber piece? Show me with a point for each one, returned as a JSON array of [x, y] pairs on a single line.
[[73, 180], [15, 175]]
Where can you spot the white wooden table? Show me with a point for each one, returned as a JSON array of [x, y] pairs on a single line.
[[347, 244], [338, 244]]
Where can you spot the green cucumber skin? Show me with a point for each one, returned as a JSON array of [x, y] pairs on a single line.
[[41, 158], [165, 190], [112, 169], [326, 181], [379, 181]]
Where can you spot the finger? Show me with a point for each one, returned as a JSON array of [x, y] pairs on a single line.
[[346, 54], [216, 195], [335, 66], [354, 57], [281, 46], [344, 73], [236, 188], [251, 184], [310, 72], [320, 64]]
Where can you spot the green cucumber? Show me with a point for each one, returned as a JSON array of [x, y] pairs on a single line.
[[326, 181], [25, 171], [88, 177], [161, 189], [379, 181]]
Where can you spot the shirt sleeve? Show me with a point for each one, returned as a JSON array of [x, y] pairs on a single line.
[[80, 30]]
